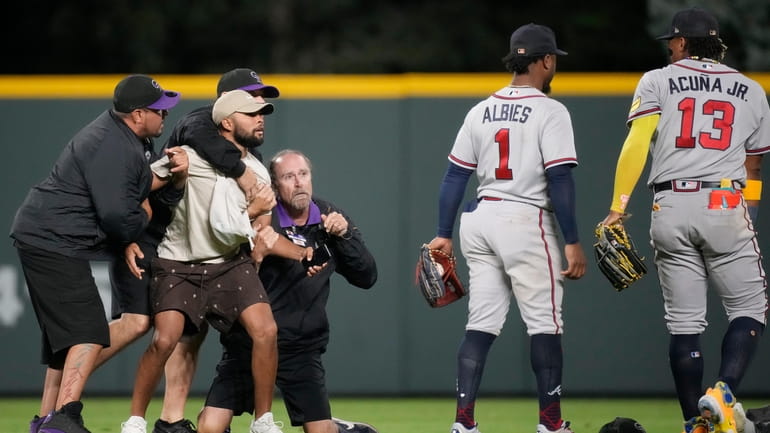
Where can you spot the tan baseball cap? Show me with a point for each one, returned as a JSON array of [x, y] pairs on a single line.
[[238, 101]]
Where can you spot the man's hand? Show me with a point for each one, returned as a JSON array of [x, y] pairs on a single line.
[[131, 253], [248, 183], [335, 224], [147, 208], [262, 202], [576, 261], [443, 244], [177, 158], [316, 269], [263, 242], [613, 217]]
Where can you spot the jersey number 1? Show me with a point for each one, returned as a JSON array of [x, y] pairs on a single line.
[[724, 124], [502, 171]]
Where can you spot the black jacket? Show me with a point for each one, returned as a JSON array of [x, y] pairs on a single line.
[[298, 301], [89, 206], [197, 130]]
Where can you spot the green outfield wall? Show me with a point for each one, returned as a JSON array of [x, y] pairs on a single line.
[[379, 146]]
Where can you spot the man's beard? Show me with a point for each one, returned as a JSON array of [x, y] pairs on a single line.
[[247, 140], [299, 202]]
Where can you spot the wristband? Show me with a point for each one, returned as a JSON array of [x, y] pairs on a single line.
[[753, 190]]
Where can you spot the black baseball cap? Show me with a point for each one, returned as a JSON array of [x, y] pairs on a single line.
[[532, 40], [244, 79], [142, 91], [622, 425], [692, 23]]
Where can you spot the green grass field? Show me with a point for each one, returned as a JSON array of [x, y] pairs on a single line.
[[396, 415]]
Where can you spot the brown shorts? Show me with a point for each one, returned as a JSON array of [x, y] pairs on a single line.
[[217, 292]]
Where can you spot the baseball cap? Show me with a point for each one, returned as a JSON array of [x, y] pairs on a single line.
[[692, 23], [244, 79], [238, 101], [533, 40], [141, 91], [622, 425]]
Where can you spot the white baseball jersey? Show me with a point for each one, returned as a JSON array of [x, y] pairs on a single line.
[[510, 139], [711, 117]]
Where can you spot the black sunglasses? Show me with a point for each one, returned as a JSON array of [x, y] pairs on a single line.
[[161, 113]]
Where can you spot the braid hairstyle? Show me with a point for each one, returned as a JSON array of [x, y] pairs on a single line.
[[706, 48], [520, 64]]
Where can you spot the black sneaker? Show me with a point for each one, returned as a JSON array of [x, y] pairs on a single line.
[[181, 426], [66, 420], [353, 427], [34, 425]]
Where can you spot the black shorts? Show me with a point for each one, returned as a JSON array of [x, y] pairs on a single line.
[[66, 302], [130, 294], [301, 380]]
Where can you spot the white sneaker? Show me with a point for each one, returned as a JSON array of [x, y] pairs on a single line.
[[459, 428], [563, 429], [265, 424], [134, 424]]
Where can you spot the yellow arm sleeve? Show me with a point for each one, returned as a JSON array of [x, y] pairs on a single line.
[[632, 159]]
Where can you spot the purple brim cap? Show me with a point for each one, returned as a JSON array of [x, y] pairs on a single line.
[[167, 101], [268, 91]]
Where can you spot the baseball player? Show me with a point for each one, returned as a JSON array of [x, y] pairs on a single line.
[[703, 123], [520, 143]]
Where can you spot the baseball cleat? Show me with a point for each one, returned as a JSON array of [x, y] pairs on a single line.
[[564, 428], [459, 428], [717, 406], [698, 424], [353, 426]]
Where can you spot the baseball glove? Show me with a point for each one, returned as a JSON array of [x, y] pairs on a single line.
[[617, 256], [436, 278]]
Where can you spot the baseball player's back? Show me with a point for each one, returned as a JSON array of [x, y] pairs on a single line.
[[521, 146], [510, 139], [706, 127], [710, 115]]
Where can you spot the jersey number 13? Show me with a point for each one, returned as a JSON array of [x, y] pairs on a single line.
[[723, 114]]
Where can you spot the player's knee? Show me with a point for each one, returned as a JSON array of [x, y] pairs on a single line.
[[266, 331], [684, 327], [210, 423], [494, 330], [163, 344], [206, 425], [138, 324]]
